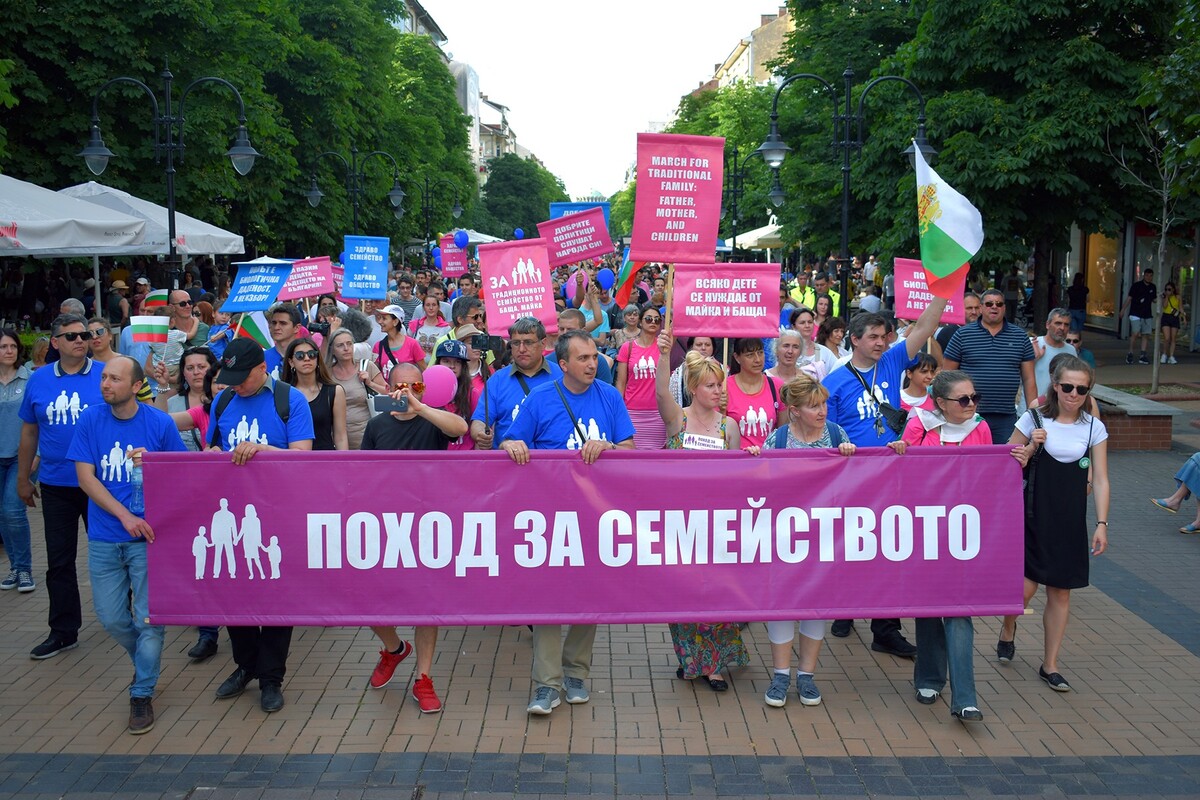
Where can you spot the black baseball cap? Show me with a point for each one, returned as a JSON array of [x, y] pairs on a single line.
[[241, 356]]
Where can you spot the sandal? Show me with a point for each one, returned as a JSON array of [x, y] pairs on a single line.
[[1163, 505], [1189, 528], [717, 685]]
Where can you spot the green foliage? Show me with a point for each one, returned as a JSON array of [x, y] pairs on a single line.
[[519, 193], [7, 99], [620, 212], [1171, 93]]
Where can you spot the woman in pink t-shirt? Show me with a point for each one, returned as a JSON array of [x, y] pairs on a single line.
[[396, 347], [454, 355], [754, 398], [637, 367]]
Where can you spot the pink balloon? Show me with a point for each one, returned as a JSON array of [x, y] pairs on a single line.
[[440, 386], [569, 285]]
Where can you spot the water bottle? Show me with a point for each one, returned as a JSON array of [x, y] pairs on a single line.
[[137, 502]]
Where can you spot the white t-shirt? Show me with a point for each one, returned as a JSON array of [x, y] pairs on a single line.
[[1066, 443]]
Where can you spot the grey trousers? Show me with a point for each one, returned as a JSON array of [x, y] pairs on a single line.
[[554, 657]]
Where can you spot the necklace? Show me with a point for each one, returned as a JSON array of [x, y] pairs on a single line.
[[710, 426]]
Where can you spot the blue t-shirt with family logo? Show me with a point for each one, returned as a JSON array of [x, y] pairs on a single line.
[[254, 419], [543, 423], [503, 395], [55, 401], [851, 406], [107, 443]]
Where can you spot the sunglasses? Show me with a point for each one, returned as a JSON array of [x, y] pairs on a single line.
[[182, 303], [1068, 388], [98, 332], [1074, 341], [967, 400], [652, 320], [994, 304], [417, 387], [74, 336], [306, 355]]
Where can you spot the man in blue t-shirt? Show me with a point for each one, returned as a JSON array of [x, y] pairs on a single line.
[[580, 413], [107, 451], [54, 399], [245, 424], [507, 388], [873, 376]]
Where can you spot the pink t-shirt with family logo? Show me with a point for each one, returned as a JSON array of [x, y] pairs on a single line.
[[758, 414], [642, 365]]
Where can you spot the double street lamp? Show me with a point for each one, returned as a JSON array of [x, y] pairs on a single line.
[[847, 137], [356, 182], [735, 174], [168, 141], [427, 189]]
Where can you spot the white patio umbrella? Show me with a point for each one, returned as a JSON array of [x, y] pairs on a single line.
[[35, 221]]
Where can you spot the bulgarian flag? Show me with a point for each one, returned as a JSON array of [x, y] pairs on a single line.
[[156, 298], [626, 279], [152, 330], [951, 231], [253, 325]]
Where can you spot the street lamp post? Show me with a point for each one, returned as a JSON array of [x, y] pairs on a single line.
[[735, 173], [356, 181], [427, 189], [847, 137], [168, 140]]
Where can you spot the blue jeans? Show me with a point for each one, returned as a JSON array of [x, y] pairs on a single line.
[[946, 642], [1078, 318], [116, 569], [14, 524]]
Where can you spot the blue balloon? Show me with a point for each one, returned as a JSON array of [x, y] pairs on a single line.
[[342, 257], [606, 278], [436, 252], [437, 261], [461, 239], [518, 233]]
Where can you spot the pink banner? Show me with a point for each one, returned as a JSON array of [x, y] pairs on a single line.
[[454, 258], [725, 300], [577, 236], [637, 537], [339, 275], [310, 277], [913, 295], [678, 203], [517, 283]]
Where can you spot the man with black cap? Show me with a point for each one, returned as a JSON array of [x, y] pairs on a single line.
[[256, 413]]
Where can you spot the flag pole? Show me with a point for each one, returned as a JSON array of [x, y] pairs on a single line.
[[237, 331], [667, 297]]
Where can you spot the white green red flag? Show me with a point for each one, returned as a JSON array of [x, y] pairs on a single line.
[[152, 330], [626, 279], [253, 325], [950, 228], [156, 298]]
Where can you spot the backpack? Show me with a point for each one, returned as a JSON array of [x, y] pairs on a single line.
[[282, 407], [779, 437]]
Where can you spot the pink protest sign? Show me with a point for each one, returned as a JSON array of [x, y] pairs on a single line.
[[725, 300], [913, 295], [310, 277], [517, 283], [577, 236], [637, 537], [339, 274], [678, 200], [454, 258]]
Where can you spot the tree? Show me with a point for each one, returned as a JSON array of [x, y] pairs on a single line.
[[519, 193], [620, 212], [7, 98]]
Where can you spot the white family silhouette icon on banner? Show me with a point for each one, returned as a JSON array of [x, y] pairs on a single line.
[[526, 272], [62, 407], [224, 535]]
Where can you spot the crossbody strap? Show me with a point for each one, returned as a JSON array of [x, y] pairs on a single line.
[[570, 413]]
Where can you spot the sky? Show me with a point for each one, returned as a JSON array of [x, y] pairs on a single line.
[[582, 79]]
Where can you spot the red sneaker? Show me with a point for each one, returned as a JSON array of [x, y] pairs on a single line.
[[425, 696], [388, 662]]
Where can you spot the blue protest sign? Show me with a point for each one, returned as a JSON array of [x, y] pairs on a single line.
[[257, 284], [562, 209], [366, 262]]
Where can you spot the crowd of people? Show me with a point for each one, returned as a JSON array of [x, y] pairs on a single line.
[[835, 377]]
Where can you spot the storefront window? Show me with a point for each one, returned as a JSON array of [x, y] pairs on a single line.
[[1178, 267], [1103, 276]]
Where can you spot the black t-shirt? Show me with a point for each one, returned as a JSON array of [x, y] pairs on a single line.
[[1077, 298], [1141, 296], [385, 432]]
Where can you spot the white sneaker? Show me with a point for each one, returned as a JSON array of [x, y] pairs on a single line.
[[1162, 359], [1172, 360]]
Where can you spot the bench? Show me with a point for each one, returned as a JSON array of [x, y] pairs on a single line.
[[1133, 422]]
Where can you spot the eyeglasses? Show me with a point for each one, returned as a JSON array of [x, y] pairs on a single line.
[[474, 317], [652, 320], [74, 336], [993, 304], [417, 387], [524, 344], [182, 303], [306, 355], [967, 400], [1068, 388]]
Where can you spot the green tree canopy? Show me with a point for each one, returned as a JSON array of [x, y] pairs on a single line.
[[518, 194]]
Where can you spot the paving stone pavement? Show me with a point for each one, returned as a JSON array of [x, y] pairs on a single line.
[[1129, 729]]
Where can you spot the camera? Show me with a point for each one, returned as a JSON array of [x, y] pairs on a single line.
[[385, 404], [482, 342]]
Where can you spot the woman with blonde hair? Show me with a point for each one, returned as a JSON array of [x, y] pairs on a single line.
[[807, 428], [704, 649]]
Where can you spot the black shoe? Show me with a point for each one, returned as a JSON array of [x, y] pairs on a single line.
[[1006, 651], [141, 715], [272, 697], [203, 649], [894, 644], [841, 627], [52, 647], [969, 714], [234, 685], [1057, 682]]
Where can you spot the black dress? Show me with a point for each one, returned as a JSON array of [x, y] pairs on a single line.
[[322, 415], [1056, 537]]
